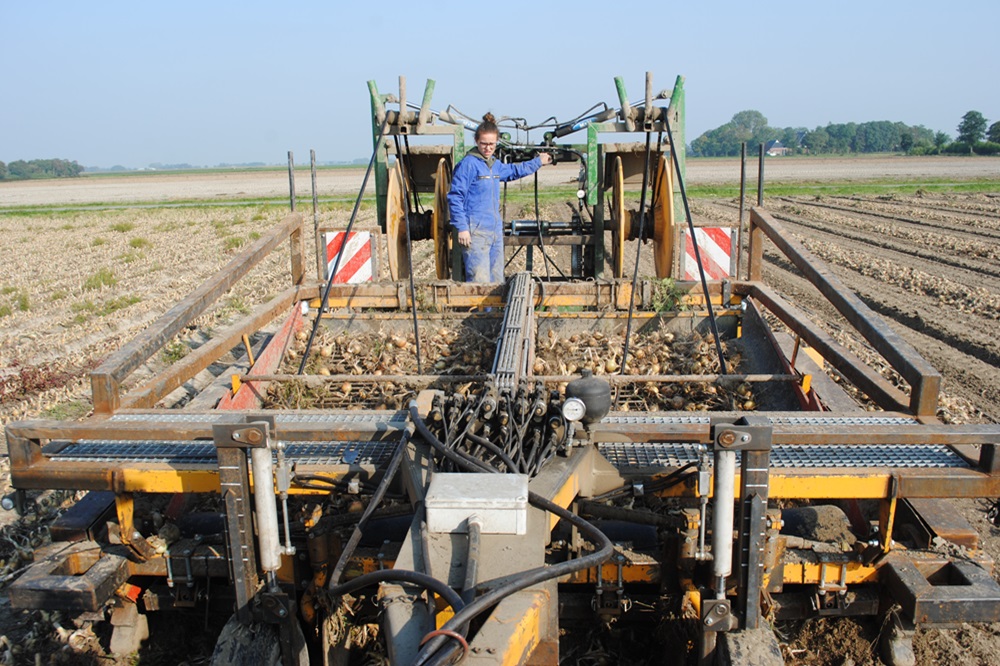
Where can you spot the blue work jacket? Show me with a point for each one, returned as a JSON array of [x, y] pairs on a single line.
[[474, 198]]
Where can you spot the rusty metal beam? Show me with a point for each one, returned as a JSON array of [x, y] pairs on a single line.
[[924, 380], [106, 380], [878, 389]]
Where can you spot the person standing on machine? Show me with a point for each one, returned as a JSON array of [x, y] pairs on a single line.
[[474, 201]]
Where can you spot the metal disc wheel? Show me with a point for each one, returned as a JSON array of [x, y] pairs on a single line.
[[619, 217], [663, 218], [439, 223], [395, 225]]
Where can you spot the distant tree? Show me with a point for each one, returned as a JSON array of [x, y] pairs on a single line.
[[3, 171], [992, 134], [972, 128], [941, 140], [748, 124], [841, 137], [817, 140]]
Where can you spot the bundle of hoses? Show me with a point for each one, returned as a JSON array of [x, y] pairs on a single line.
[[439, 649]]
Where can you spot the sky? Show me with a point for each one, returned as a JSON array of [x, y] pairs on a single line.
[[134, 83]]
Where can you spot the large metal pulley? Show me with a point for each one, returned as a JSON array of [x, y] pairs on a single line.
[[659, 226], [428, 225]]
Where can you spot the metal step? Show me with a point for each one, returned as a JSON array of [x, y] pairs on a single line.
[[630, 455], [375, 453]]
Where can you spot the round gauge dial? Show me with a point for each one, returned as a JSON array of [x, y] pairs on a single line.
[[574, 409]]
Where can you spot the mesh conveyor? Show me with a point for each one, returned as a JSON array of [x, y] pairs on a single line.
[[790, 456], [192, 453]]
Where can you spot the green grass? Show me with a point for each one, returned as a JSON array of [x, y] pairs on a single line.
[[5, 311], [174, 351], [84, 310], [233, 243], [102, 278], [67, 411], [58, 295], [129, 257], [123, 227], [99, 241], [860, 188], [7, 290], [139, 243], [23, 301]]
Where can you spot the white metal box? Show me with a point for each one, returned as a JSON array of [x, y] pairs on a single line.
[[499, 500]]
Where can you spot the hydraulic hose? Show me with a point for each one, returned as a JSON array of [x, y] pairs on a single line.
[[343, 247], [400, 576], [434, 652]]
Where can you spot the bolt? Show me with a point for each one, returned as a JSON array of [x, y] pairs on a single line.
[[720, 610], [254, 436], [709, 621], [282, 612], [727, 438], [744, 438], [491, 650]]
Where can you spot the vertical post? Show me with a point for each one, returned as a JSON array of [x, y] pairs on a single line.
[[755, 252], [291, 179], [760, 176], [381, 161], [320, 250], [425, 106], [297, 247], [401, 119], [626, 107], [320, 254], [743, 195]]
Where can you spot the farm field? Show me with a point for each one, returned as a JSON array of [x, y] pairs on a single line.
[[77, 283]]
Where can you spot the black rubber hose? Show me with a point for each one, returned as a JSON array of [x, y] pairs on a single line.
[[380, 491], [524, 579], [492, 448], [401, 576], [429, 654]]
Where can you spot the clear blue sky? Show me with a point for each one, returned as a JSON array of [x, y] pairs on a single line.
[[132, 83]]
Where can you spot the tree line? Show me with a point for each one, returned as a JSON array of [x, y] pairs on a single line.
[[54, 168], [880, 136]]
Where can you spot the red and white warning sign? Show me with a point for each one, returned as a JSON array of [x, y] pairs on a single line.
[[356, 265], [715, 245]]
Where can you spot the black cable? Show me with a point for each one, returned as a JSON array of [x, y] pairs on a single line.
[[638, 247], [434, 652], [451, 597], [383, 486], [343, 246], [697, 253], [409, 255]]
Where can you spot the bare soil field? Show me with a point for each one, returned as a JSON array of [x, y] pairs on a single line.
[[76, 284], [345, 182]]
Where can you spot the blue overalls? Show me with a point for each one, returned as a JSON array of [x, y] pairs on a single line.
[[474, 201]]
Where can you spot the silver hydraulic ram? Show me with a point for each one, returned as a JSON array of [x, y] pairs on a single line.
[[268, 534], [722, 522]]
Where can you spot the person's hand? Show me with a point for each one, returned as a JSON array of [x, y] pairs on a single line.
[[545, 158], [465, 239]]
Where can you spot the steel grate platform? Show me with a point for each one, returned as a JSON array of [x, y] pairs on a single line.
[[626, 455], [375, 453], [398, 416]]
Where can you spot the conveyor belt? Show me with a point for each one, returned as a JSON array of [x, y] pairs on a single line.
[[510, 362], [374, 453], [626, 455], [398, 416]]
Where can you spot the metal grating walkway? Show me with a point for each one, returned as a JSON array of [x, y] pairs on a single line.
[[375, 453], [792, 456]]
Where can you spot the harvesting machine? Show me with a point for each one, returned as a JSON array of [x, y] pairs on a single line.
[[581, 462]]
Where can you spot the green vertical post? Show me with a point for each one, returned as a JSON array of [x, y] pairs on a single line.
[[676, 108], [595, 195], [381, 161]]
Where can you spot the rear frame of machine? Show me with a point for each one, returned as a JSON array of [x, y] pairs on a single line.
[[705, 526]]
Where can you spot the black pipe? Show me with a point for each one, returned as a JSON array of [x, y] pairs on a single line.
[[343, 246], [697, 253], [352, 544], [402, 576]]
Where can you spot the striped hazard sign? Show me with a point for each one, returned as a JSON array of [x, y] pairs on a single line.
[[715, 245], [356, 265]]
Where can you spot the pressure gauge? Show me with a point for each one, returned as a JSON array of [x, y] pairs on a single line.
[[574, 409]]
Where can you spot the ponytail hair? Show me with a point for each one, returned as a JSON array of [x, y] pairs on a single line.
[[489, 125]]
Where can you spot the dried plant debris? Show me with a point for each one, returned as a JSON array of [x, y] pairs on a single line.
[[466, 351]]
